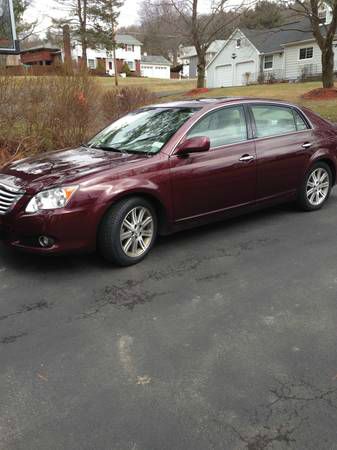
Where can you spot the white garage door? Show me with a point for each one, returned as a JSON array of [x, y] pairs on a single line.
[[241, 70], [224, 75]]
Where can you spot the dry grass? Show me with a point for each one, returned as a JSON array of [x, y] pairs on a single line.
[[152, 84], [291, 92]]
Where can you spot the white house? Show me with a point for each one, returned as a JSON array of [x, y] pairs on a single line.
[[286, 53], [129, 51], [155, 67]]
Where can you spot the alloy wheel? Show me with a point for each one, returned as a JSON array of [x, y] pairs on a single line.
[[137, 232], [318, 186]]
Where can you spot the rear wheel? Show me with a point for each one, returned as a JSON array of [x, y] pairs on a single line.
[[316, 187], [128, 231]]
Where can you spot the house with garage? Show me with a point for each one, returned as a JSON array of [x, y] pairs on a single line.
[[129, 51], [155, 67], [288, 53]]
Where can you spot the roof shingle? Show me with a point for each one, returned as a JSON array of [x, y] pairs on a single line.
[[272, 40]]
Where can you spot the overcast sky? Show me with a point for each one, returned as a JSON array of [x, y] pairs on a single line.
[[44, 9]]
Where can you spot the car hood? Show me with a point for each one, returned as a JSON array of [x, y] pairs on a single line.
[[65, 166]]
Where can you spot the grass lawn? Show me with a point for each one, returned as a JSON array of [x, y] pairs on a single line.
[[291, 92], [152, 84]]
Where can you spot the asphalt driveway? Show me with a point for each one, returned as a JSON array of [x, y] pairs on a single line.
[[223, 338]]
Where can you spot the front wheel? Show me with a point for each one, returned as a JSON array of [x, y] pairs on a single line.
[[316, 187], [128, 231]]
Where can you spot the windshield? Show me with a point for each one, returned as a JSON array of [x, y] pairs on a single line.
[[143, 131]]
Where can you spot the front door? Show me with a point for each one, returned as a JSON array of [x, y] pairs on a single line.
[[222, 178]]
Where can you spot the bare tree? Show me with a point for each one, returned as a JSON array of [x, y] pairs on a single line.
[[324, 33], [203, 29]]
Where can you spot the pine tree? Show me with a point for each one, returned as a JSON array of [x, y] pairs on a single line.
[[105, 14]]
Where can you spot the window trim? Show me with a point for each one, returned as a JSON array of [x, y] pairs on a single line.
[[238, 42], [305, 48], [291, 107], [250, 123]]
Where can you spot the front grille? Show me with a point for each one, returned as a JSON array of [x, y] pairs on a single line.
[[8, 198]]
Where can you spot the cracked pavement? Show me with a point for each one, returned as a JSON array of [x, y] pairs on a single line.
[[223, 338]]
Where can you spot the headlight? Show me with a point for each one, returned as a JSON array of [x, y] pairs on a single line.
[[51, 199]]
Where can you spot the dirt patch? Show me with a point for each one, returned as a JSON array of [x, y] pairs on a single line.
[[320, 94], [197, 91]]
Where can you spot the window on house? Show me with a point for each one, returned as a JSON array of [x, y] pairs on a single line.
[[224, 126], [306, 53], [238, 43], [91, 63], [131, 65], [129, 48], [110, 65], [268, 62]]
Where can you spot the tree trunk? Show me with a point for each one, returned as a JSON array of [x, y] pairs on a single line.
[[327, 67], [201, 71], [115, 65], [84, 54]]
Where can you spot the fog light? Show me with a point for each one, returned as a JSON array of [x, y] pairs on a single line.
[[46, 242]]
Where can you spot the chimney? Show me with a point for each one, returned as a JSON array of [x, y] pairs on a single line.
[[67, 46]]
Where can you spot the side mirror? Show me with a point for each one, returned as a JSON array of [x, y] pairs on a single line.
[[194, 145]]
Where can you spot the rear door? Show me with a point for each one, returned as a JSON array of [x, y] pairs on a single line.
[[284, 143], [222, 178]]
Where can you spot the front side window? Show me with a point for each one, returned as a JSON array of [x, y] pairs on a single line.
[[273, 120], [306, 53], [222, 127], [238, 43], [143, 131], [268, 62]]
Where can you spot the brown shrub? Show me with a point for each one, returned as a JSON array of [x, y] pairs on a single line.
[[38, 114], [44, 113], [118, 102]]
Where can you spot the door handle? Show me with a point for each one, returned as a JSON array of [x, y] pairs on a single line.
[[307, 145], [246, 158]]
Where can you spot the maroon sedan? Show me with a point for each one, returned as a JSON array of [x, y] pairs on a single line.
[[167, 167]]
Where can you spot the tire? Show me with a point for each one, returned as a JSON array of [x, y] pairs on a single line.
[[316, 187], [118, 229]]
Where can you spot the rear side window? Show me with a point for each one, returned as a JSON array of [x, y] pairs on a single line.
[[273, 120], [223, 126]]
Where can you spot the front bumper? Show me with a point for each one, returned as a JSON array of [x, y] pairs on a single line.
[[70, 229]]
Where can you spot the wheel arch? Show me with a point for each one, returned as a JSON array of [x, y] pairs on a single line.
[[329, 162], [161, 211]]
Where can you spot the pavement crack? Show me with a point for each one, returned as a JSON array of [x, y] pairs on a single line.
[[125, 296], [37, 306], [12, 339]]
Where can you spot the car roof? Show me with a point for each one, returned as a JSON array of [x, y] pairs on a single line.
[[217, 101]]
